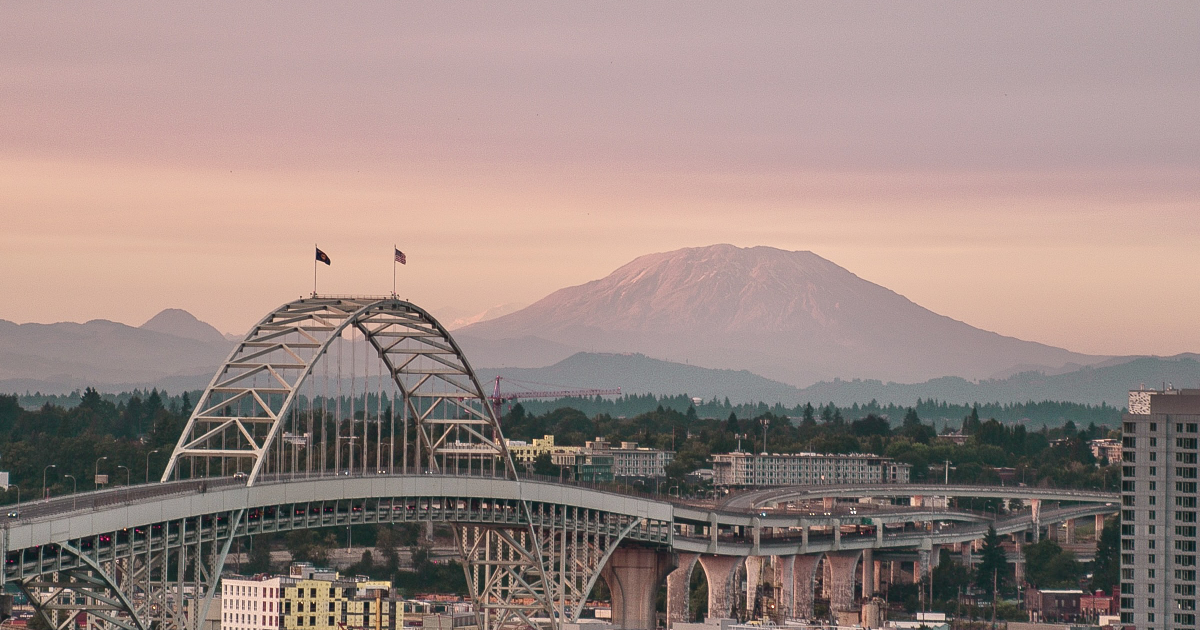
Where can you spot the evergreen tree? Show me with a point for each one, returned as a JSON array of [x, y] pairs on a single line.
[[731, 423], [808, 420], [993, 565]]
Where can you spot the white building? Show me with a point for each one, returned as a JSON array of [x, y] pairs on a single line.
[[631, 460], [250, 603], [799, 469]]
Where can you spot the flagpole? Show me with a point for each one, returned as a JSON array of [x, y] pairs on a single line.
[[314, 271], [394, 248]]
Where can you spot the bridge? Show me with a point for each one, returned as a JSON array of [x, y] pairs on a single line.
[[337, 411]]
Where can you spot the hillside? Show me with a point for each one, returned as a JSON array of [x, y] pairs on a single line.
[[638, 374], [170, 350], [793, 317]]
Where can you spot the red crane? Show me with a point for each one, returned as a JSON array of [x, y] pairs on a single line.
[[499, 399]]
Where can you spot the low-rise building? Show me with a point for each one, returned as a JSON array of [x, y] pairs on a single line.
[[1053, 604], [1093, 606], [1106, 449], [251, 603], [631, 460], [599, 461], [319, 599], [586, 466], [740, 469], [525, 453]]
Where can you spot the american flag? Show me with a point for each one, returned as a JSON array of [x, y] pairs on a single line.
[[400, 258]]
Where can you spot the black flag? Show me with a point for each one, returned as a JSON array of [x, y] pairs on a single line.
[[323, 257]]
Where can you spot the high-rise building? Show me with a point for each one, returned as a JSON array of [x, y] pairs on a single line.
[[1159, 441]]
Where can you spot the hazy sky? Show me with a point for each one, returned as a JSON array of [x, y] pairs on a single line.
[[1029, 168]]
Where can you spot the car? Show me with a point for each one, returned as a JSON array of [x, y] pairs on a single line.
[[240, 475], [13, 514]]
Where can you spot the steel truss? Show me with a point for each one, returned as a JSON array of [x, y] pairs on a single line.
[[159, 576], [542, 575], [242, 421]]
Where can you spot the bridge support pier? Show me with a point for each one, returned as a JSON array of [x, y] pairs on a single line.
[[868, 574], [804, 574], [633, 575], [679, 586], [753, 576], [719, 571], [1036, 506], [842, 573], [785, 572], [1099, 526], [1070, 537]]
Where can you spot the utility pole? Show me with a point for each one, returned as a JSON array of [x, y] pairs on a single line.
[[995, 594]]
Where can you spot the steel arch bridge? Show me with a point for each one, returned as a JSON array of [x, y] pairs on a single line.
[[353, 410]]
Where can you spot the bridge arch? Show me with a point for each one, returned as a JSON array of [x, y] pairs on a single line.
[[264, 401]]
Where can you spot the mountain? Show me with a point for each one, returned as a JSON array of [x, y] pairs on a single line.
[[639, 374], [173, 347], [792, 317], [180, 323]]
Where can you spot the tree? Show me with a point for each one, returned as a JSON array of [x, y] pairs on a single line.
[[948, 577], [260, 555], [731, 424], [993, 566], [387, 543], [1047, 565], [1106, 570], [543, 464], [870, 425]]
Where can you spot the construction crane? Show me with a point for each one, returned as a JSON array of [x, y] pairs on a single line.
[[499, 398]]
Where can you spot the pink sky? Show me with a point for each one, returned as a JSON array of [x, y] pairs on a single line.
[[1029, 169]]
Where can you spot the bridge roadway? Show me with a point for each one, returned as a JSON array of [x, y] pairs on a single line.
[[132, 529], [737, 527]]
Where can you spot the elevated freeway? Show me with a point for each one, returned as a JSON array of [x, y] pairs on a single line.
[[753, 499]]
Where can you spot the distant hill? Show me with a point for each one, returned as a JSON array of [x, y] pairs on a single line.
[[638, 374], [180, 323], [793, 317], [172, 348]]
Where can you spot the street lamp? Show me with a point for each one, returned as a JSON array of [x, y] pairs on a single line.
[[148, 464], [766, 422], [127, 476], [97, 477], [44, 471], [74, 489]]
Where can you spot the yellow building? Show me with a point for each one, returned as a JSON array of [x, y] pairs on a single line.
[[321, 604], [525, 453]]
